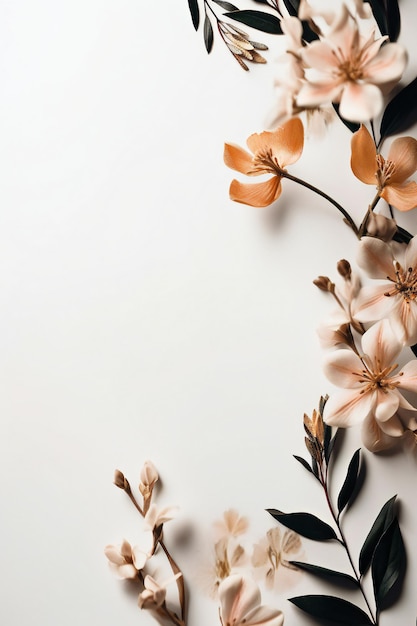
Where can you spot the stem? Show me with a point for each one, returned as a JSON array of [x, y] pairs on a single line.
[[346, 547], [324, 195], [174, 567]]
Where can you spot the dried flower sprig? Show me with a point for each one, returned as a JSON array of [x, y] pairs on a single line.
[[382, 552], [131, 563]]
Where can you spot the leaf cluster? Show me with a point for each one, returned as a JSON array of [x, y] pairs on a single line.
[[382, 553]]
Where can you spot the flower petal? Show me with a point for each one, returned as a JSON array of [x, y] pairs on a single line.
[[360, 102], [403, 153], [237, 158], [381, 344], [388, 65], [286, 142], [315, 94], [238, 596], [376, 258], [347, 408], [373, 437], [402, 197], [264, 616], [342, 368], [386, 405], [373, 304], [257, 194], [403, 318], [363, 159]]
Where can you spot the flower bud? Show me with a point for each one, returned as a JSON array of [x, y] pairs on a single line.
[[344, 269], [381, 227], [120, 480], [324, 283]]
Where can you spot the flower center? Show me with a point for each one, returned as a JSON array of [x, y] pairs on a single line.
[[405, 282], [384, 172], [265, 161], [378, 377]]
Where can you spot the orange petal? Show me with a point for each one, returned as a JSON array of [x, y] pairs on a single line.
[[287, 142], [403, 153], [237, 158], [402, 197], [363, 158], [258, 194]]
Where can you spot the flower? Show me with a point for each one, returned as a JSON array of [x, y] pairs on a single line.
[[371, 384], [124, 560], [231, 525], [154, 594], [271, 554], [347, 68], [395, 297], [155, 517], [240, 603], [389, 175], [272, 152]]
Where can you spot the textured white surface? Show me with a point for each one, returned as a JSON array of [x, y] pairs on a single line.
[[145, 315]]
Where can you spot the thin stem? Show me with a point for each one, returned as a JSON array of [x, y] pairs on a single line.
[[324, 195], [174, 567], [346, 547]]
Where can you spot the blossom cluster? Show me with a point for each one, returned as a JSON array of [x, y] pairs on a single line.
[[133, 562], [364, 338]]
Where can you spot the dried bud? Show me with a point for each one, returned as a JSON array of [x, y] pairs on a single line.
[[381, 227], [324, 283], [120, 480], [344, 269], [148, 476]]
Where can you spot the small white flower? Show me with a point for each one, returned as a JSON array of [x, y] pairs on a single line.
[[155, 516], [124, 560]]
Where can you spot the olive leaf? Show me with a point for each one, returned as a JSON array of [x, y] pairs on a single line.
[[305, 524], [227, 6], [324, 572], [195, 12], [303, 462], [383, 520], [399, 115], [333, 609], [257, 19], [208, 34], [388, 564], [350, 482]]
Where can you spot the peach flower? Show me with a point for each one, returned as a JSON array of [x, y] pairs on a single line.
[[347, 68], [389, 175], [271, 153], [240, 603]]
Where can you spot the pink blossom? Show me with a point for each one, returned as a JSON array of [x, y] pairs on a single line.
[[350, 69], [240, 604], [371, 384]]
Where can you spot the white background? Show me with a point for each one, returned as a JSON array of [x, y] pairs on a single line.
[[146, 316]]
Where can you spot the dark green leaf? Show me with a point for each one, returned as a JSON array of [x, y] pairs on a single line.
[[335, 610], [380, 525], [305, 524], [257, 19], [292, 7], [388, 564], [227, 6], [208, 34], [349, 484], [303, 462], [262, 2], [352, 126], [393, 19], [401, 112], [328, 442], [324, 572], [195, 12], [380, 16]]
